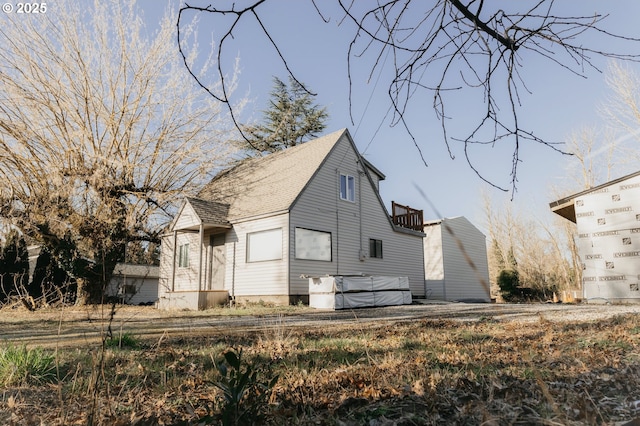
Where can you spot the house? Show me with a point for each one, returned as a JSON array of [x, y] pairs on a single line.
[[258, 230], [455, 261], [134, 284], [608, 226]]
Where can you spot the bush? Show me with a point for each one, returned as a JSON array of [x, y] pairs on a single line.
[[508, 281], [21, 366]]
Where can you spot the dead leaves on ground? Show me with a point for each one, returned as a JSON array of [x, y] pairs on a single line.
[[417, 373]]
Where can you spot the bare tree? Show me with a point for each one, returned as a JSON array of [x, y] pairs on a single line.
[[438, 48], [536, 251], [100, 131]]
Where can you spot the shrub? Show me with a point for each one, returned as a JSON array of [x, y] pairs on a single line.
[[508, 281]]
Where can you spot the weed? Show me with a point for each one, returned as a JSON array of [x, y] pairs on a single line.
[[21, 366], [123, 341], [244, 395]]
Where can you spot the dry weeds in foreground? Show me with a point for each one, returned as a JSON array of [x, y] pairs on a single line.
[[416, 373]]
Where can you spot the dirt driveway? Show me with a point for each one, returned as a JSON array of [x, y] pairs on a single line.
[[85, 325]]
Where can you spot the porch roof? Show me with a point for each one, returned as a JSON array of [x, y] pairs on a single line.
[[209, 214]]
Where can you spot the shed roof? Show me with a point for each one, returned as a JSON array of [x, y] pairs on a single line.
[[269, 184], [565, 207]]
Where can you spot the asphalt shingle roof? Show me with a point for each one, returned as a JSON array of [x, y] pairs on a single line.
[[210, 212], [268, 184]]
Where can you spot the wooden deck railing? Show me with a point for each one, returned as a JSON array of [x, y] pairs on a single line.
[[407, 217]]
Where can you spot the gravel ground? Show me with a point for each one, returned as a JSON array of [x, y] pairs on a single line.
[[75, 326]]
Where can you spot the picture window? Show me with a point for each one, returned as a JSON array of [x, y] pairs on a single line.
[[264, 245]]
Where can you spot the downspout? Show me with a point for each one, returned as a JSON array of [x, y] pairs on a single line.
[[360, 174], [173, 264], [233, 276], [336, 197], [201, 235]]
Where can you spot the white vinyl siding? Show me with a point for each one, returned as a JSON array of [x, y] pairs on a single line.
[[448, 274], [433, 263], [187, 218], [267, 278], [184, 278], [351, 226]]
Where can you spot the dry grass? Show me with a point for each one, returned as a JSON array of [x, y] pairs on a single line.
[[410, 373]]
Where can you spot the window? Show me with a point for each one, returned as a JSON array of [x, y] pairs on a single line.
[[375, 248], [183, 256], [347, 188], [264, 245], [129, 289], [313, 245]]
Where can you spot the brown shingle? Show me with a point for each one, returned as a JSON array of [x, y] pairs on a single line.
[[210, 212], [269, 184]]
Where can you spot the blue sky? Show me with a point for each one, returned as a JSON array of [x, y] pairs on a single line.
[[559, 104]]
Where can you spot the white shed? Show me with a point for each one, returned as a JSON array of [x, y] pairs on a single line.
[[134, 284], [455, 261]]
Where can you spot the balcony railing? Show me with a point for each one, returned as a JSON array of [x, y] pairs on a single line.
[[407, 217]]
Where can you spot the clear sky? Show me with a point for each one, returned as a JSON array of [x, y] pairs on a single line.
[[559, 103]]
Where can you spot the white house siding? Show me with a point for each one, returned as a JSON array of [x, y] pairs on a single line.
[[433, 262], [320, 208], [461, 281], [608, 225], [256, 279], [187, 218], [166, 256], [184, 278]]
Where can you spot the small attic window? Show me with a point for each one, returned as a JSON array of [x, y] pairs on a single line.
[[347, 188]]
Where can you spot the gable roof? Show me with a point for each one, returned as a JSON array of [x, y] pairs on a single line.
[[565, 207], [210, 212], [259, 186]]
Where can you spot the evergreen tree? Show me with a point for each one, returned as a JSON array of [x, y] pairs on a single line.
[[291, 119], [49, 279], [14, 265]]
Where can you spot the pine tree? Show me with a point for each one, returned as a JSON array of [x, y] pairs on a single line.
[[291, 119]]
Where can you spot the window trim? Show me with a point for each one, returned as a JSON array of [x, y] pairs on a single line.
[[350, 190], [373, 243], [183, 255]]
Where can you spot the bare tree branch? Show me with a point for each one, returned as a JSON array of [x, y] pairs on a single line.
[[439, 48]]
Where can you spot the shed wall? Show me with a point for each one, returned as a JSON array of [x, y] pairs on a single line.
[[461, 280], [434, 263]]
